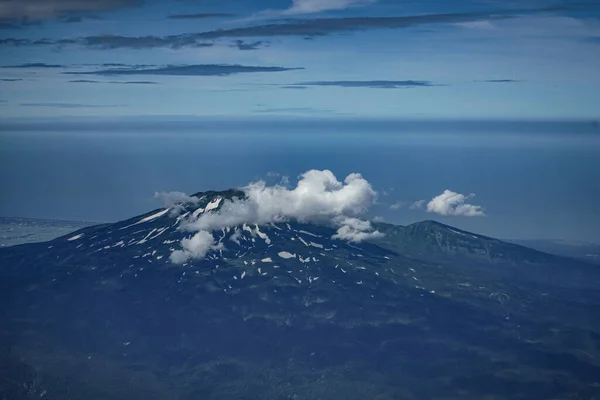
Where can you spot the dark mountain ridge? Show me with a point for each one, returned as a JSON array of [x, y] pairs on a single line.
[[583, 251], [427, 238]]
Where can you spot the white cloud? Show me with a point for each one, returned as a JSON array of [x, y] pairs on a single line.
[[300, 7], [317, 197], [170, 198], [418, 205], [355, 230], [378, 218], [236, 236], [315, 6], [452, 203], [285, 181], [195, 247], [175, 201], [397, 205], [482, 25]]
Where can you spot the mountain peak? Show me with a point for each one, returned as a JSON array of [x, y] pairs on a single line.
[[228, 194], [448, 244]]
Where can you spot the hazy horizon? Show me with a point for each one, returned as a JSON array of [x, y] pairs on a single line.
[[533, 180]]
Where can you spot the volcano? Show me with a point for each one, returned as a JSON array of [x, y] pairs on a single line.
[[290, 309]]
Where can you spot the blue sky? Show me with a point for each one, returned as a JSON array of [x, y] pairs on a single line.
[[329, 58]]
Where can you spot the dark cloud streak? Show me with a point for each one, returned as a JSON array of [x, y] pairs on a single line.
[[367, 84], [500, 81], [187, 70], [70, 105], [115, 82], [38, 10], [306, 28], [33, 65], [107, 42], [15, 42], [241, 45], [326, 26], [80, 18], [200, 16]]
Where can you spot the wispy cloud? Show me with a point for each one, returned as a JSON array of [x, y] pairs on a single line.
[[85, 81], [200, 15], [70, 105], [368, 84], [478, 25], [133, 83], [241, 45], [326, 26], [111, 42], [307, 28], [48, 9], [418, 205], [186, 70], [316, 6], [295, 110], [175, 201], [15, 42], [283, 179], [33, 65], [500, 81], [452, 203], [115, 82], [79, 18], [107, 42], [398, 205]]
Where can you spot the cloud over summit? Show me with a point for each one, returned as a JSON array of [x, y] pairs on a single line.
[[318, 197]]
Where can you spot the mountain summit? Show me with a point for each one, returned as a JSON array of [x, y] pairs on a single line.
[[193, 301]]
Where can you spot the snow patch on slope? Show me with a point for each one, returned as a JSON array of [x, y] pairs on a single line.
[[286, 255], [153, 216], [213, 204]]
